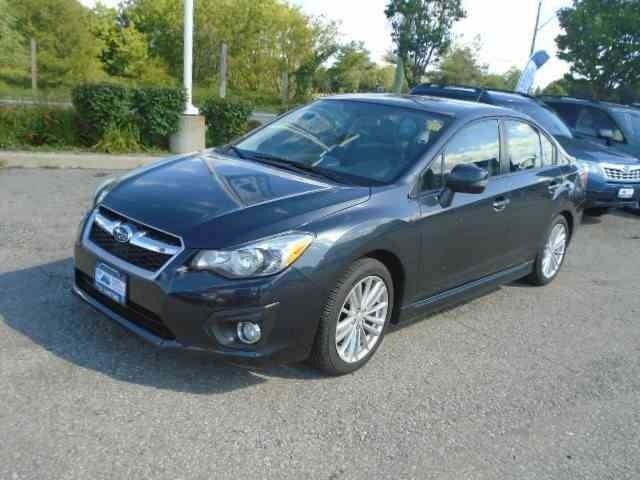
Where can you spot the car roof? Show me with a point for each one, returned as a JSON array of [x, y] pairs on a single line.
[[583, 101], [438, 105]]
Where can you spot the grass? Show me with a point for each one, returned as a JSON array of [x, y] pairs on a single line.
[[3, 164], [15, 92]]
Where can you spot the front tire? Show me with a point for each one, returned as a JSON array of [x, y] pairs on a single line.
[[551, 256], [355, 318]]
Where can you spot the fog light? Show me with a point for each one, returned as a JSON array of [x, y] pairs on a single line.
[[249, 332]]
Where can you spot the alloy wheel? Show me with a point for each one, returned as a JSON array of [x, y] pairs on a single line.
[[554, 250], [362, 319]]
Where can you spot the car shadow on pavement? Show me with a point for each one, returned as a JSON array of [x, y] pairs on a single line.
[[633, 213], [37, 302], [591, 220]]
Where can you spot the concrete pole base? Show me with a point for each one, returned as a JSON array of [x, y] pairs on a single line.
[[190, 136]]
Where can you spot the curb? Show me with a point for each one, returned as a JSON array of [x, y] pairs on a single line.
[[10, 159]]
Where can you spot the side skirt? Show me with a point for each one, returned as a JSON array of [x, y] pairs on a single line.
[[460, 294]]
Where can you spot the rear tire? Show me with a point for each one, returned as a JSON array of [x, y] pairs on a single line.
[[335, 350], [551, 256]]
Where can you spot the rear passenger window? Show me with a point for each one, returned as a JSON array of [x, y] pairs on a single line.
[[478, 144], [525, 149], [548, 151]]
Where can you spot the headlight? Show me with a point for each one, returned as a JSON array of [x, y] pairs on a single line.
[[591, 167], [259, 259], [103, 190]]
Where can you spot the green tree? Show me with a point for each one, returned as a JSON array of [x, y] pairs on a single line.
[[601, 40], [422, 32], [13, 51], [325, 45], [351, 69], [161, 22], [558, 87], [265, 38], [125, 50], [461, 66], [67, 50]]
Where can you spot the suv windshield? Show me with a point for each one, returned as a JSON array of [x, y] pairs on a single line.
[[365, 142], [630, 120], [544, 116]]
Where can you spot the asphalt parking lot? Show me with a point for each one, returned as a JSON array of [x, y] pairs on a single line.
[[524, 383]]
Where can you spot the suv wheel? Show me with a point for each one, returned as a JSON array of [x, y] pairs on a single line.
[[355, 318], [551, 257]]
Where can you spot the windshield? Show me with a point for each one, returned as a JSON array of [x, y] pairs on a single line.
[[545, 117], [367, 142], [630, 120]]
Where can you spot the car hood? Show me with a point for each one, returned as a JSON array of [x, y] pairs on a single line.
[[589, 151], [215, 201]]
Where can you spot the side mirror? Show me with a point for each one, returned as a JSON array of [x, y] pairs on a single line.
[[467, 178], [464, 178]]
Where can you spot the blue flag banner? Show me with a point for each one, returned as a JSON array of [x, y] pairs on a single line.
[[525, 84]]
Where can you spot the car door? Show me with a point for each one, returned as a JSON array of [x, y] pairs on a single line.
[[535, 181], [464, 241]]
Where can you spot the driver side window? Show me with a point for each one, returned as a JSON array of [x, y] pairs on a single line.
[[478, 143], [591, 121]]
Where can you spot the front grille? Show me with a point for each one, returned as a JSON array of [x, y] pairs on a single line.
[[140, 257], [150, 232], [622, 175], [131, 311], [137, 256]]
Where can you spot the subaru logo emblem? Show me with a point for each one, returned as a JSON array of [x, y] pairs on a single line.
[[122, 233]]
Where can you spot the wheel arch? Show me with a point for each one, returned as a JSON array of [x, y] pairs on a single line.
[[568, 216]]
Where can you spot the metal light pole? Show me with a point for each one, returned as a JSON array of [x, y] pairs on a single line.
[[189, 109], [190, 136], [535, 31]]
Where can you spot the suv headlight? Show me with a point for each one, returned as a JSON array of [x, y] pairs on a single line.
[[257, 259], [591, 167], [103, 190]]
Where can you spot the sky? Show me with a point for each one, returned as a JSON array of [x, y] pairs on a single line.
[[504, 26]]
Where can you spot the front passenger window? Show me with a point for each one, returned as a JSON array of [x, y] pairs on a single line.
[[478, 144], [525, 150]]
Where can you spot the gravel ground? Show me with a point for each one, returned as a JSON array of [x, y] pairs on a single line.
[[526, 383]]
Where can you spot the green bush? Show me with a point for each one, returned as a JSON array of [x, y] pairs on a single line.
[[158, 111], [38, 126], [102, 106], [226, 119], [154, 113], [120, 139]]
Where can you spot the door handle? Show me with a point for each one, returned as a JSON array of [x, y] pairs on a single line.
[[500, 203]]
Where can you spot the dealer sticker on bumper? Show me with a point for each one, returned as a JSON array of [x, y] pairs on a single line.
[[111, 283], [626, 193]]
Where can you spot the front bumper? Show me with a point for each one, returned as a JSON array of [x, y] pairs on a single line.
[[179, 308], [604, 194]]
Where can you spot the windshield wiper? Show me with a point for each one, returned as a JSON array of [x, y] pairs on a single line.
[[236, 151], [295, 166]]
